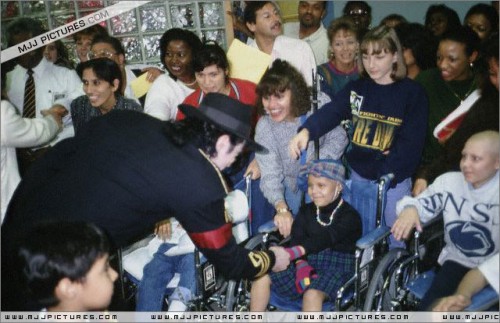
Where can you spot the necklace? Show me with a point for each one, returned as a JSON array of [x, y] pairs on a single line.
[[188, 84], [330, 220], [472, 87], [223, 181]]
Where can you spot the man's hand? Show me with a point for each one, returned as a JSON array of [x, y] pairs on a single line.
[[419, 186], [254, 169], [282, 258], [163, 229], [453, 303], [298, 143], [407, 220], [57, 111]]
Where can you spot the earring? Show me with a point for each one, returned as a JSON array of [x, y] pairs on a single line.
[[471, 64]]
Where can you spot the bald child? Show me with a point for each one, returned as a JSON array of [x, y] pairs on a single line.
[[469, 203]]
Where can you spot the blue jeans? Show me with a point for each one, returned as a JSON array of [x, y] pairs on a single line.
[[158, 272], [393, 196]]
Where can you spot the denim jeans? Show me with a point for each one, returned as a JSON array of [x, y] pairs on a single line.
[[393, 196], [158, 272]]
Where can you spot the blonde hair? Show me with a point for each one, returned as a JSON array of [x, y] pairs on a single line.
[[491, 138], [383, 39]]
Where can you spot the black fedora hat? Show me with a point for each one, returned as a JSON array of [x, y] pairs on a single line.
[[226, 113]]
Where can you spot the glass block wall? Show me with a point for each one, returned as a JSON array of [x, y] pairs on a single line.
[[139, 29]]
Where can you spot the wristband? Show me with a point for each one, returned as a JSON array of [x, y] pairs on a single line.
[[294, 252]]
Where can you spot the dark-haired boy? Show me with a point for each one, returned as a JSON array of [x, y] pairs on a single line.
[[66, 266]]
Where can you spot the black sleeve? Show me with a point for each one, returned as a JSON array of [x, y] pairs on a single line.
[[298, 233], [341, 235], [212, 235]]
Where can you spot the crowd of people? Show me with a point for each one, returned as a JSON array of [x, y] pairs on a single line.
[[88, 167]]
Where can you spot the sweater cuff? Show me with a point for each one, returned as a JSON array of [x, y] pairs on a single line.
[[407, 201]]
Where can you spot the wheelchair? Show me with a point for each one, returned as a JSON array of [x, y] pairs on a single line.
[[401, 279], [369, 200], [211, 286]]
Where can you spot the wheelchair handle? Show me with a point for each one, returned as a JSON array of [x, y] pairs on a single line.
[[387, 178]]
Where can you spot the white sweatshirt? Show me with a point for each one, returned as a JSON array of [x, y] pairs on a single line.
[[471, 216]]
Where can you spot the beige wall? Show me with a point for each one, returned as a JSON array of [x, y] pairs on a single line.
[[288, 10]]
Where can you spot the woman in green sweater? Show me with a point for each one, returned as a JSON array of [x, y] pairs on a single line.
[[447, 86]]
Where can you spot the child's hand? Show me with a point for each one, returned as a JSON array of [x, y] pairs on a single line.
[[407, 220], [304, 275], [453, 303], [163, 229]]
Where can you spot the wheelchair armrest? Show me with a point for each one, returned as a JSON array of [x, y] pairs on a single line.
[[267, 227], [483, 300], [373, 237]]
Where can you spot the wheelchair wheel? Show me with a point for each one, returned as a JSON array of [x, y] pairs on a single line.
[[382, 289], [238, 291]]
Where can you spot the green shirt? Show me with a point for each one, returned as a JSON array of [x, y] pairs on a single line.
[[444, 97]]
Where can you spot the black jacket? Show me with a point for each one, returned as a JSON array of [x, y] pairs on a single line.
[[122, 173]]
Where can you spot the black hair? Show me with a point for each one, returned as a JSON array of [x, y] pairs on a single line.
[[486, 10], [190, 38], [104, 68], [56, 250], [24, 25], [209, 54], [420, 41], [364, 4], [62, 55], [324, 3], [451, 15], [251, 8], [489, 50], [201, 134], [464, 35], [282, 76], [114, 42]]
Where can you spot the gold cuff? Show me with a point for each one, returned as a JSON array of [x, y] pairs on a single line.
[[282, 210]]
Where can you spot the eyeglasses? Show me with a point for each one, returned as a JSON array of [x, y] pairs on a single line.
[[102, 53], [358, 12]]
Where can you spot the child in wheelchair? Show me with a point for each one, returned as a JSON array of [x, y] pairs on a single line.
[[323, 239], [171, 252], [469, 203], [174, 254]]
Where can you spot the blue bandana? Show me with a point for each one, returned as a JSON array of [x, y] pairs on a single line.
[[329, 168]]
